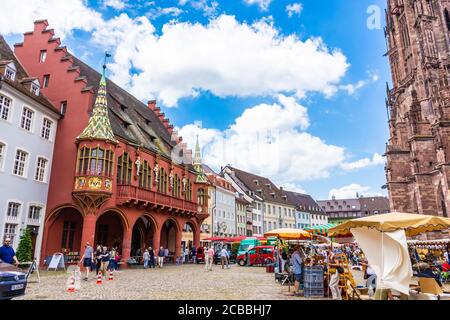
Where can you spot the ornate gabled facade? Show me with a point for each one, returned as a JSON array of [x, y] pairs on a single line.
[[418, 152], [122, 176]]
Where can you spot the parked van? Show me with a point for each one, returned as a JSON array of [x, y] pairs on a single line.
[[247, 243], [260, 255]]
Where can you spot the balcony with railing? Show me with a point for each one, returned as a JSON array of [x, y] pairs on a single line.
[[132, 194]]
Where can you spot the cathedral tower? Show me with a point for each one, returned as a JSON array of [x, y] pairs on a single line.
[[418, 153]]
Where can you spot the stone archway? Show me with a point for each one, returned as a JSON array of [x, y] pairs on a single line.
[[143, 234], [109, 230], [64, 228], [170, 233]]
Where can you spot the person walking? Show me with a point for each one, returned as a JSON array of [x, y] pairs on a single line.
[[104, 261], [194, 254], [117, 259], [186, 255], [161, 257], [112, 260], [223, 257], [152, 257], [210, 258], [87, 258], [7, 253], [297, 264], [334, 280], [98, 259], [166, 255], [146, 257]]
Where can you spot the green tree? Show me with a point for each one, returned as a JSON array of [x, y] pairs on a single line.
[[25, 249]]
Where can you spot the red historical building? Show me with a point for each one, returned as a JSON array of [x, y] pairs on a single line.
[[120, 176]]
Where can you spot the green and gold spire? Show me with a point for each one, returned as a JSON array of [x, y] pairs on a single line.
[[99, 127], [201, 178]]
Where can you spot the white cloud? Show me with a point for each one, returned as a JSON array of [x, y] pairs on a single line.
[[209, 7], [294, 8], [353, 88], [349, 191], [225, 57], [63, 16], [269, 140], [115, 4], [293, 187], [376, 160], [158, 11], [263, 4]]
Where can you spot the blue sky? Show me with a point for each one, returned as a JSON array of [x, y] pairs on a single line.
[[351, 123]]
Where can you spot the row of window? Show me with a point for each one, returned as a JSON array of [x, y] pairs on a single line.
[[257, 230], [98, 161], [241, 219], [21, 162], [223, 214], [15, 208], [27, 119], [241, 231], [272, 210]]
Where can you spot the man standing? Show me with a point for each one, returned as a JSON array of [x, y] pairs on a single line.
[[105, 261], [223, 257], [161, 257], [7, 253], [194, 254], [209, 259], [297, 266], [152, 257], [87, 259]]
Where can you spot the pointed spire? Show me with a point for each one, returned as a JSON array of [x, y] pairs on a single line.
[[99, 127], [197, 155], [201, 178]]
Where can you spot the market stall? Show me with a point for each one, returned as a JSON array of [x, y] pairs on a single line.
[[383, 239]]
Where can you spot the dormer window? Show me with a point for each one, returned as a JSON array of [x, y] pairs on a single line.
[[35, 88], [10, 73], [256, 182]]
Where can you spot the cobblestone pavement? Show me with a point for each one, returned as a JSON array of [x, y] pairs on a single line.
[[172, 282]]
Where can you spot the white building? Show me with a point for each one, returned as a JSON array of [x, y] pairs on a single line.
[[256, 201], [224, 212], [28, 123]]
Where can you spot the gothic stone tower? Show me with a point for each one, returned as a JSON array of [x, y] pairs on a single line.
[[418, 152]]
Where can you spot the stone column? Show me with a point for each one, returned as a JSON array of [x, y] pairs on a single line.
[[88, 233], [156, 240], [126, 246], [196, 239], [178, 238]]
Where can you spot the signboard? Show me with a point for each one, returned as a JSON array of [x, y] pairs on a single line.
[[57, 262]]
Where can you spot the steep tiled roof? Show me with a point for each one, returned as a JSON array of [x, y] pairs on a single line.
[[218, 181], [6, 56], [303, 201], [261, 186], [371, 204], [332, 205], [130, 118]]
